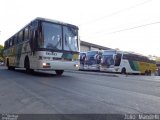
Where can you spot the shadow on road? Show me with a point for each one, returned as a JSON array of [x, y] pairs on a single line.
[[35, 73]]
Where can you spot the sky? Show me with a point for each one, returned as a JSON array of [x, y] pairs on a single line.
[[129, 25]]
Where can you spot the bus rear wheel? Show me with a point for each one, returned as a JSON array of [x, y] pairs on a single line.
[[59, 72], [7, 64], [10, 67], [147, 72]]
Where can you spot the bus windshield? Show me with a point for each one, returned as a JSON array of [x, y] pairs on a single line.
[[108, 60], [52, 37], [70, 36]]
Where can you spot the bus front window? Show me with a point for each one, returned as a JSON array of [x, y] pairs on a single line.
[[52, 36], [70, 38], [107, 60]]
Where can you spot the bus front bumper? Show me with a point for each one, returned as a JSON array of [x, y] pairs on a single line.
[[58, 65], [91, 67], [105, 69]]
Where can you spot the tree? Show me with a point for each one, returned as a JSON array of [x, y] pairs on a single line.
[[1, 52]]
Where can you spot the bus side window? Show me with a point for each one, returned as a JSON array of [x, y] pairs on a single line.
[[26, 34], [16, 38], [20, 36], [10, 42], [33, 36], [29, 32], [13, 41], [7, 46]]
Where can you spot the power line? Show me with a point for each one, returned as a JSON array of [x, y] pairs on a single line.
[[117, 12], [130, 28]]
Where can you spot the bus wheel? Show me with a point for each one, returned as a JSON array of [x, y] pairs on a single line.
[[146, 72], [149, 72], [59, 72], [123, 71], [9, 67], [12, 68], [27, 65]]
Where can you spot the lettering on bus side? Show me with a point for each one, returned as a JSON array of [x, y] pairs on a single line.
[[51, 53]]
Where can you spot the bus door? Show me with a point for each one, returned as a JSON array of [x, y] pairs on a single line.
[[117, 59]]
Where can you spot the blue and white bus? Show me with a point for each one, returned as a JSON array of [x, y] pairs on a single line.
[[82, 60], [93, 60], [45, 45]]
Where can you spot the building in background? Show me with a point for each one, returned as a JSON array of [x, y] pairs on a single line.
[[86, 46]]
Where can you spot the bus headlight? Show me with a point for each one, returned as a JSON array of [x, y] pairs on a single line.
[[46, 65], [76, 65]]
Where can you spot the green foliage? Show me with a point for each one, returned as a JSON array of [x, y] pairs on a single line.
[[1, 47], [1, 52]]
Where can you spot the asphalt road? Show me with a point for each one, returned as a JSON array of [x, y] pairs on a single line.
[[78, 92]]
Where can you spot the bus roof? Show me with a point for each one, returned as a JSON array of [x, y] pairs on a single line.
[[45, 20], [124, 52], [54, 21]]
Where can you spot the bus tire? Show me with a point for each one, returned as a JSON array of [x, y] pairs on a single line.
[[149, 72], [59, 72], [27, 65], [146, 72], [9, 67], [123, 71], [12, 67]]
